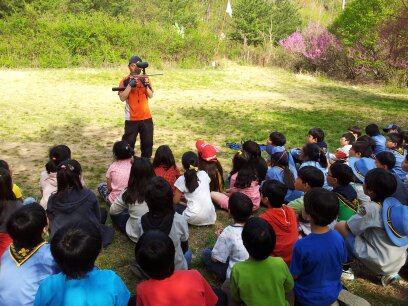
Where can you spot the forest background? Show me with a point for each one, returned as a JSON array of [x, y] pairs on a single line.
[[363, 40]]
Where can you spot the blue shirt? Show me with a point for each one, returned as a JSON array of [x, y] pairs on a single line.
[[379, 143], [97, 287], [276, 173], [317, 262], [19, 284], [399, 158]]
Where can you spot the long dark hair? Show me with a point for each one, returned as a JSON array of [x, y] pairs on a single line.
[[215, 172], [312, 152], [190, 164], [140, 174], [68, 177], [246, 171], [6, 186], [164, 157], [281, 159]]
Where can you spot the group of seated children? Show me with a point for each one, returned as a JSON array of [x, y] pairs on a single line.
[[323, 211]]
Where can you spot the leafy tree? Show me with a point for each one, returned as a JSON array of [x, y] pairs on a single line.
[[285, 19]]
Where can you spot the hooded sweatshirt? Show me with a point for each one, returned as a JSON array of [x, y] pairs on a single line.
[[283, 220], [72, 206]]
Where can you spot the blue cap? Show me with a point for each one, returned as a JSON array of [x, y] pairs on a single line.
[[361, 166], [392, 127], [395, 219], [134, 59]]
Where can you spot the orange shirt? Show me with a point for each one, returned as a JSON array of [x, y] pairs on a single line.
[[137, 105]]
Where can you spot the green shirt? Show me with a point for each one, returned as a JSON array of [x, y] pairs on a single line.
[[263, 282], [297, 205]]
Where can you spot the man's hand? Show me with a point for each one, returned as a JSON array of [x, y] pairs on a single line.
[[133, 83], [145, 82]]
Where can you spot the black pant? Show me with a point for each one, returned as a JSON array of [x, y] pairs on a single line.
[[145, 128]]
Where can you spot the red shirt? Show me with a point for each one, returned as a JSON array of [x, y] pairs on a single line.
[[182, 288], [171, 175], [284, 222]]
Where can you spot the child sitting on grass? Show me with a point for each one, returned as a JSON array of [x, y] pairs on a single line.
[[16, 189], [276, 143], [317, 259], [162, 216], [195, 186], [48, 178], [256, 159], [155, 254], [365, 235], [243, 179], [8, 205], [386, 160], [394, 145], [342, 153], [262, 279], [208, 162], [75, 248], [28, 261], [314, 136], [281, 171], [117, 176], [131, 205], [339, 177], [229, 249], [373, 131], [360, 167], [308, 178], [280, 217], [355, 130], [165, 166], [312, 155]]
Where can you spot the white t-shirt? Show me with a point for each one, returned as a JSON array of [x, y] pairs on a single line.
[[229, 245], [200, 209]]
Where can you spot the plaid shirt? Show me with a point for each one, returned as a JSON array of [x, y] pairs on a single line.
[[170, 175]]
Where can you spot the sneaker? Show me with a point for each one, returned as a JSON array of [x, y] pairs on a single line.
[[347, 274], [389, 279]]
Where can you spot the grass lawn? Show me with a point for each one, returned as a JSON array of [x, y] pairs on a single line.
[[41, 108]]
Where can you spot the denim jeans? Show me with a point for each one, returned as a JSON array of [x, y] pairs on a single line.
[[219, 268]]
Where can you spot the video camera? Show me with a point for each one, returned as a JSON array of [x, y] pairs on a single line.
[[141, 77]]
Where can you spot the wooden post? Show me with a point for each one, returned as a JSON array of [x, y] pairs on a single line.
[[219, 38]]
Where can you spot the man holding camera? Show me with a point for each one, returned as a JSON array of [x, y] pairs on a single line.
[[138, 118]]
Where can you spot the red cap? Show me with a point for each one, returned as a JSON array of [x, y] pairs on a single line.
[[206, 151]]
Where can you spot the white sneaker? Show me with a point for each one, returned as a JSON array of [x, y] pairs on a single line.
[[390, 279], [347, 274]]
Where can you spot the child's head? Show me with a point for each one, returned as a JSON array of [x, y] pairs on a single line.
[[206, 151], [190, 165], [122, 150], [252, 148], [315, 135], [5, 165], [312, 152], [140, 174], [379, 184], [309, 177], [159, 197], [392, 128], [355, 130], [26, 225], [339, 174], [246, 171], [57, 155], [385, 160], [240, 207], [6, 186], [361, 149], [75, 248], [372, 130], [321, 205], [347, 139], [164, 157], [273, 193], [277, 139], [393, 140], [155, 254], [259, 238], [69, 175], [281, 159]]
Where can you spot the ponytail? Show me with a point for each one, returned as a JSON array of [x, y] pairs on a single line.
[[190, 164], [312, 152], [288, 177], [322, 159]]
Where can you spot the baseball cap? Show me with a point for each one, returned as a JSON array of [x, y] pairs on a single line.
[[134, 59], [206, 151], [392, 127]]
